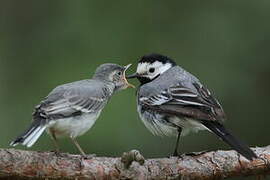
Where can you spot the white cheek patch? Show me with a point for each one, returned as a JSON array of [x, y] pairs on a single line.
[[142, 68], [160, 68]]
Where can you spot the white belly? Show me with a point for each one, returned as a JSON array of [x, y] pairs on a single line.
[[73, 126], [188, 125]]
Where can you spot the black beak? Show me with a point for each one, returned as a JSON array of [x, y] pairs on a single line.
[[135, 75]]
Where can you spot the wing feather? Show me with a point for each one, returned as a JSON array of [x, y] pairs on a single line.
[[71, 100], [194, 101]]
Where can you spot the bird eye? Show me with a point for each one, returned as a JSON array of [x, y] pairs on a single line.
[[119, 73], [151, 70]]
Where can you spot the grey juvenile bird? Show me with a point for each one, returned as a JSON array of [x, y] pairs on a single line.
[[171, 101], [71, 109]]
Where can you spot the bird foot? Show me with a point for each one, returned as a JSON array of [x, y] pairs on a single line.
[[59, 154], [88, 156], [175, 154], [56, 152], [196, 153]]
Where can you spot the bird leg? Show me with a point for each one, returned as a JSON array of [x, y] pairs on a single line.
[[177, 142], [78, 146], [55, 142]]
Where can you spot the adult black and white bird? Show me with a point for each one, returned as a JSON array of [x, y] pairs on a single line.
[[71, 109], [173, 102]]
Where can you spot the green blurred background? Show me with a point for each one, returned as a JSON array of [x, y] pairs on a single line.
[[47, 43]]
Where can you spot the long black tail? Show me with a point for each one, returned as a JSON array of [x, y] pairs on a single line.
[[31, 135], [227, 137]]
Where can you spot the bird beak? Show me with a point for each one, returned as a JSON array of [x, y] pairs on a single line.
[[127, 83], [135, 75]]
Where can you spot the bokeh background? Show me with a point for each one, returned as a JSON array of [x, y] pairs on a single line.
[[47, 43]]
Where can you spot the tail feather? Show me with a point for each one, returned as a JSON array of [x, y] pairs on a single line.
[[227, 137], [30, 136]]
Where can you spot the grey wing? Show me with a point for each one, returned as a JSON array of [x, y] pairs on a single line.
[[66, 101], [192, 100]]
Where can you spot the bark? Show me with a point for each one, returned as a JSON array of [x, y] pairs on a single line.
[[19, 164]]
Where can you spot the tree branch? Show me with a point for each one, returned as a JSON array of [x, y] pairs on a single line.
[[19, 164]]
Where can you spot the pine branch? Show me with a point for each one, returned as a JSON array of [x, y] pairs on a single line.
[[19, 164]]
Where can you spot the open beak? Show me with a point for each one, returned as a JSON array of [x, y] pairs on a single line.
[[127, 83]]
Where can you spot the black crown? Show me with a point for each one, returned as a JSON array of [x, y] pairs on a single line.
[[151, 58]]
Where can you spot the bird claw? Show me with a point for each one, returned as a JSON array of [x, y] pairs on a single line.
[[88, 156], [176, 154], [58, 153], [196, 153]]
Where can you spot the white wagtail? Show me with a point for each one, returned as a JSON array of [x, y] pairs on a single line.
[[171, 101], [71, 109]]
